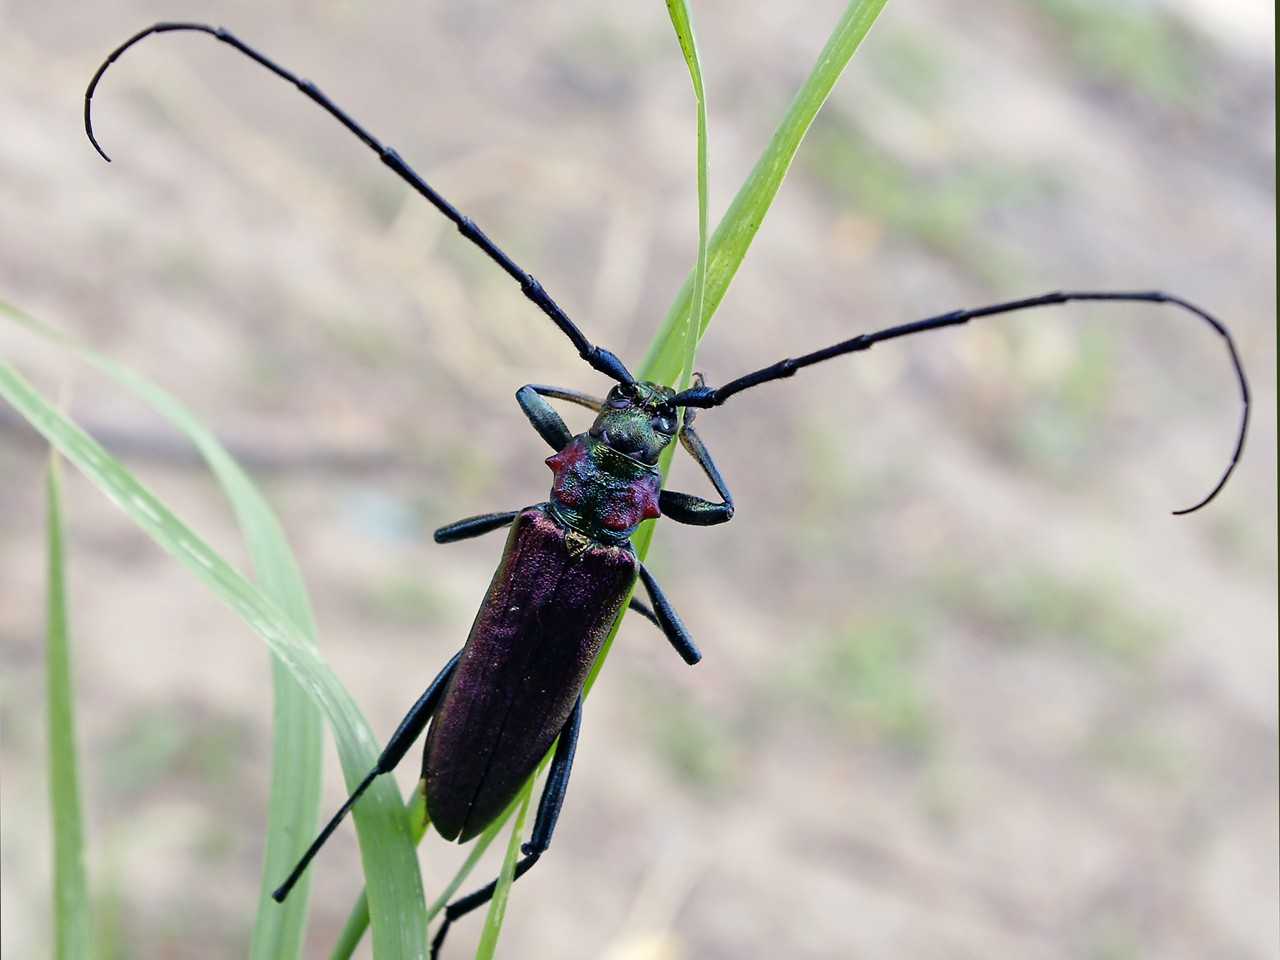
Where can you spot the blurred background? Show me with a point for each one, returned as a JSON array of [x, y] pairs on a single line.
[[968, 689]]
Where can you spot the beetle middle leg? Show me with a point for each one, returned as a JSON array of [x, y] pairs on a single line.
[[410, 728], [668, 621], [474, 526], [544, 825]]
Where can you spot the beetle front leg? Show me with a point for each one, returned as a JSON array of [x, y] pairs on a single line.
[[544, 417], [544, 825], [685, 507], [410, 728]]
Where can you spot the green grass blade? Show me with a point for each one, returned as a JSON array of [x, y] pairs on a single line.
[[390, 864], [482, 843], [498, 905], [671, 353], [297, 728], [682, 21], [358, 919], [297, 724], [297, 743], [72, 923], [738, 227]]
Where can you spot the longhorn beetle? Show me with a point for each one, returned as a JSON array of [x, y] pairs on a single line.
[[515, 687]]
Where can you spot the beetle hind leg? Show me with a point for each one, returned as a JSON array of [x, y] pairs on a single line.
[[544, 826], [414, 722]]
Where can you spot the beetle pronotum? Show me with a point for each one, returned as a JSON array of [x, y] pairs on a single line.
[[515, 688]]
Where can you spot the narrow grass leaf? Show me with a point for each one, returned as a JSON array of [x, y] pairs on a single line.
[[671, 352], [390, 865], [358, 918], [670, 357], [682, 21], [733, 236], [482, 844], [72, 921], [498, 905], [297, 727]]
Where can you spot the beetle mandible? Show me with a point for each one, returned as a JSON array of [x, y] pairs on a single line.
[[515, 688]]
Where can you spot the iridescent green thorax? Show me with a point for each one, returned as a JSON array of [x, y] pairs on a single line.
[[601, 493]]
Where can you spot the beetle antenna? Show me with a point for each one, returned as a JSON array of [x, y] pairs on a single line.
[[701, 396], [599, 358]]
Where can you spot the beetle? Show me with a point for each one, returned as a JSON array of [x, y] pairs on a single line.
[[515, 689]]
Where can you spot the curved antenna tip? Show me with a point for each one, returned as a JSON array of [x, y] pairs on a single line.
[[102, 153], [88, 118], [1215, 491]]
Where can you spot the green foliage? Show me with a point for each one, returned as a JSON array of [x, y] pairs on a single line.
[[732, 238], [278, 613], [498, 905], [276, 606], [72, 921]]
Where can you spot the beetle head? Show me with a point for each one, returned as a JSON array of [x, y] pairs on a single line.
[[638, 419]]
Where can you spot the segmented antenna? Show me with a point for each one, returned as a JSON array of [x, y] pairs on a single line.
[[701, 396], [599, 358]]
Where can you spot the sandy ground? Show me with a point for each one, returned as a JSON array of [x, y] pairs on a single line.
[[969, 690]]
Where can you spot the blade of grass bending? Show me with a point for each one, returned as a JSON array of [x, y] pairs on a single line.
[[388, 857], [483, 842], [415, 812], [682, 21], [358, 919], [297, 727], [72, 923], [733, 236], [693, 319], [669, 353], [498, 905], [297, 724]]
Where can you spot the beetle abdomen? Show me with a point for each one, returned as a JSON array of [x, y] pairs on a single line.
[[543, 620]]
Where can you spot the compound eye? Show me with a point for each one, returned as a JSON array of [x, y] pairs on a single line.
[[664, 424], [617, 402]]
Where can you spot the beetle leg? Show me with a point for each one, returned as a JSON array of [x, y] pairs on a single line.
[[543, 825], [474, 526], [669, 620], [685, 507], [544, 417], [571, 396], [642, 608], [414, 722]]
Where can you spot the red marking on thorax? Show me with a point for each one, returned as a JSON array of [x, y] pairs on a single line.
[[617, 505]]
